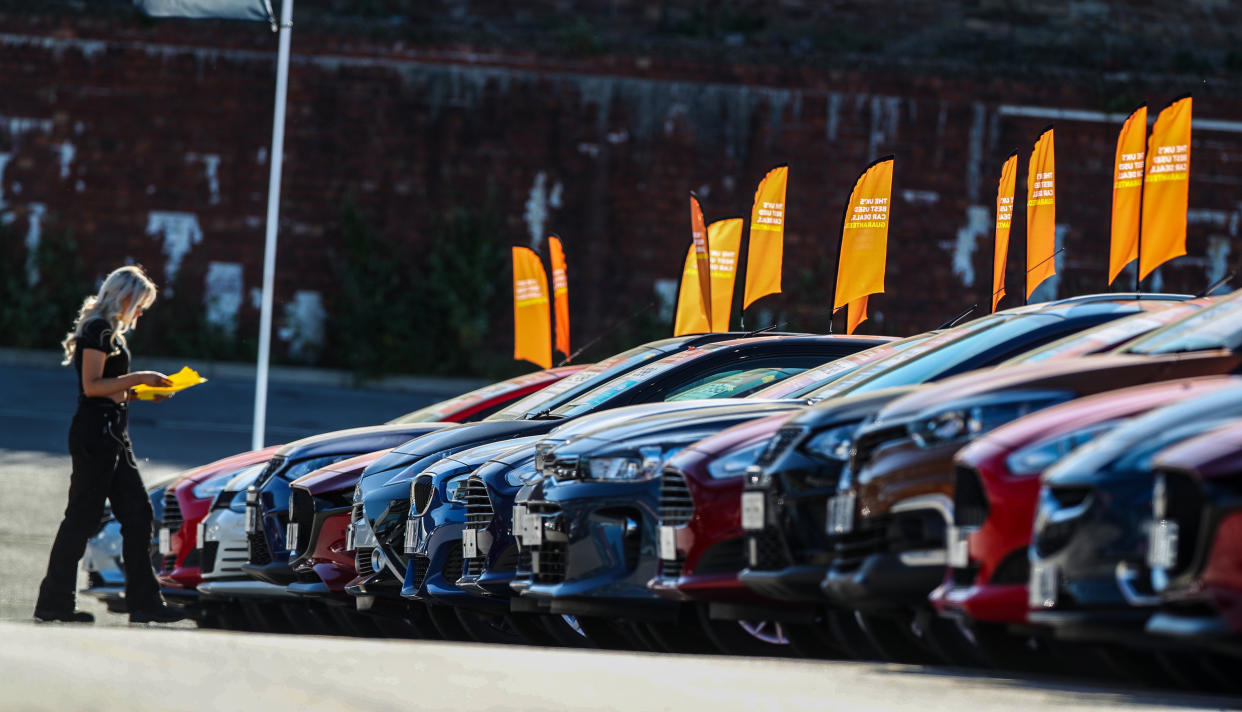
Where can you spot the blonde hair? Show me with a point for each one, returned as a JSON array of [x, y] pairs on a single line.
[[123, 292]]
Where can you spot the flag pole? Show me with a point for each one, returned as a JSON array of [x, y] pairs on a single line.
[[273, 217]]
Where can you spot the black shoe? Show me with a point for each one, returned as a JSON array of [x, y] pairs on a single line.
[[162, 613], [48, 616]]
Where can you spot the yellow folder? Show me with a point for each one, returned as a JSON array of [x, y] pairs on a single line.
[[181, 380]]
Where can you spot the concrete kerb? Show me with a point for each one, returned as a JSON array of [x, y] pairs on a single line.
[[435, 386]]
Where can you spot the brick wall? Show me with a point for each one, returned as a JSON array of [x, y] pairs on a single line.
[[120, 129]]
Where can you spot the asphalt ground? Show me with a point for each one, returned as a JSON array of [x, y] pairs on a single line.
[[113, 665]]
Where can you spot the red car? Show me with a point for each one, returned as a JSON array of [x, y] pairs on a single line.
[[996, 491], [1195, 548], [186, 504], [482, 402]]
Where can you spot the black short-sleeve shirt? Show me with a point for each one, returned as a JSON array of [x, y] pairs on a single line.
[[97, 334]]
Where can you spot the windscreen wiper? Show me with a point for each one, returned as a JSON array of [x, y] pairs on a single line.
[[1212, 287], [954, 321]]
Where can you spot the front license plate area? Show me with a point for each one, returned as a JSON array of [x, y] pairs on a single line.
[[1162, 544], [200, 535], [752, 511], [165, 542], [840, 515], [470, 543], [252, 518], [668, 543], [1043, 586], [291, 536], [957, 540]]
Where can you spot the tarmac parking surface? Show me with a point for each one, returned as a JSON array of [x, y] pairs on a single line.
[[112, 665]]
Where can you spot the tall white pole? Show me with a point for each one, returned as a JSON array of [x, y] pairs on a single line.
[[273, 217]]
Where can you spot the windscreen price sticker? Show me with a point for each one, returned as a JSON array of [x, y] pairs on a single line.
[[752, 511], [165, 541], [470, 543], [668, 543]]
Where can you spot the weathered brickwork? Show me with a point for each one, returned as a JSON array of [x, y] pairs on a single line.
[[151, 143]]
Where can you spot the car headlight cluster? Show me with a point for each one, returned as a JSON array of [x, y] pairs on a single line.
[[210, 488], [834, 444], [735, 463], [625, 468], [454, 491], [965, 422], [1034, 459]]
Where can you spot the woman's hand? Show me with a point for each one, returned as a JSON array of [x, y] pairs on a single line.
[[154, 379]]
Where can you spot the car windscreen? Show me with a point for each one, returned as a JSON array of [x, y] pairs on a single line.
[[803, 383], [1216, 327], [607, 391], [933, 364], [1106, 336], [735, 383], [566, 388], [868, 371]]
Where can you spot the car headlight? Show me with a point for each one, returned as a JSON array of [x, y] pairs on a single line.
[[735, 463], [357, 493], [1034, 459], [966, 422], [454, 491], [834, 443], [210, 488], [628, 468]]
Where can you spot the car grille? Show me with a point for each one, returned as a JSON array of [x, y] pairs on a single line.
[[273, 465], [853, 548], [211, 550], [172, 510], [362, 562], [169, 563], [478, 504], [723, 557], [676, 505], [423, 489], [782, 441], [551, 558], [770, 554], [671, 569], [231, 561], [970, 502], [421, 565], [453, 563], [1184, 504], [256, 547], [302, 513], [870, 441]]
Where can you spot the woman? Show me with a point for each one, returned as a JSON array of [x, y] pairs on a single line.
[[103, 459]]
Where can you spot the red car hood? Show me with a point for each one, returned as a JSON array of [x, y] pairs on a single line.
[[338, 475], [1214, 454], [228, 464], [730, 438], [1098, 408]]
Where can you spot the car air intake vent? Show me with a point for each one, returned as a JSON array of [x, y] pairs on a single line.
[[970, 502], [257, 550], [1184, 505], [362, 562], [1014, 568], [478, 504], [870, 441], [548, 563], [423, 490], [421, 565], [302, 513], [781, 442], [676, 505], [452, 569], [172, 510], [211, 549]]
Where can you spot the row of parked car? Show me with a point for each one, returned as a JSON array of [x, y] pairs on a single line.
[[1056, 486]]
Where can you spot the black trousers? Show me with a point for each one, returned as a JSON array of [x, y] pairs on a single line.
[[104, 469]]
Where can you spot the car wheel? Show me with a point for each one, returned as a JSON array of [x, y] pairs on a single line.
[[609, 635], [447, 624], [952, 643], [893, 637], [489, 627], [686, 634], [306, 619], [566, 631], [737, 637], [845, 630], [351, 622]]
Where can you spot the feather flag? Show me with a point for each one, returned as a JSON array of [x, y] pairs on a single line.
[[532, 328], [864, 239], [560, 293], [855, 314], [698, 234], [1127, 192], [1166, 187], [1004, 219], [767, 237], [1041, 213], [724, 240], [690, 318]]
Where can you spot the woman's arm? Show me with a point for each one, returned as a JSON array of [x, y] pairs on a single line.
[[95, 385]]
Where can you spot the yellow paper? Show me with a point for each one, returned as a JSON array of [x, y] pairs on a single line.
[[181, 380]]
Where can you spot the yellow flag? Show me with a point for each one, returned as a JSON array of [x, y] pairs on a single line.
[[855, 314], [698, 233], [864, 235], [724, 239], [1004, 219], [1127, 192], [690, 318], [1041, 213], [767, 237], [560, 293], [1166, 187], [532, 328]]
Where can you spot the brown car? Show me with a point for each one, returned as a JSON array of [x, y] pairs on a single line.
[[890, 522]]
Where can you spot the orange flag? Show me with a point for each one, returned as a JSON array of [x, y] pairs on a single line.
[[724, 238], [767, 237], [855, 314], [532, 327], [1041, 213], [1004, 218], [560, 293], [864, 235], [698, 233], [1127, 192], [1166, 187], [690, 318]]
